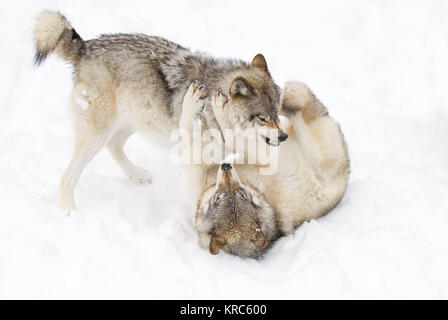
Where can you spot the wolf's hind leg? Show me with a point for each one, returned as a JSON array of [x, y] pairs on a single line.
[[115, 146], [297, 97], [302, 108], [87, 146]]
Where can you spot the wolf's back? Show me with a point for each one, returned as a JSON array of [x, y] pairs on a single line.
[[53, 32]]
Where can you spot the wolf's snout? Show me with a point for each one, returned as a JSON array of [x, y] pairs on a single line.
[[282, 137], [226, 166]]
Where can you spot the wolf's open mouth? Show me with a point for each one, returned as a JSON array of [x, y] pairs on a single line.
[[269, 142]]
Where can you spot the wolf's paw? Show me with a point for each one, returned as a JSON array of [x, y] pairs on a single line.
[[66, 201], [195, 96], [140, 175], [296, 96], [219, 101], [67, 207], [193, 103]]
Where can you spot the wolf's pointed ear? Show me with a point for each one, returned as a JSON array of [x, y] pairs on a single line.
[[240, 87], [216, 244], [260, 62]]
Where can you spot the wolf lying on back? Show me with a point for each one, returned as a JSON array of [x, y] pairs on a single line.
[[244, 213], [125, 83]]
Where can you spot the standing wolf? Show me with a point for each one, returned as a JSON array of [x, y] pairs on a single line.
[[125, 83]]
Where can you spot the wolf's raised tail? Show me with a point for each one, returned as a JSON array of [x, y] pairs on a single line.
[[53, 32]]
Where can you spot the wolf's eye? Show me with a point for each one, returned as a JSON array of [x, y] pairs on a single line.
[[241, 195], [219, 197], [262, 119]]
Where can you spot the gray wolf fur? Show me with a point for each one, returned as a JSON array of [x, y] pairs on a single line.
[[126, 83], [244, 213], [236, 217]]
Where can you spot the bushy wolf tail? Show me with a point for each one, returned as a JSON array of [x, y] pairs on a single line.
[[53, 32]]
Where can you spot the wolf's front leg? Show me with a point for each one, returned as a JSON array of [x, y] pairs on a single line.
[[302, 108], [219, 105], [193, 102], [195, 173], [219, 101]]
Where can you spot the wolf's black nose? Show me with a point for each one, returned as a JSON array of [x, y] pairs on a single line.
[[282, 137], [226, 166]]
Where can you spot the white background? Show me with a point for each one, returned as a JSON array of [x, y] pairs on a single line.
[[379, 66]]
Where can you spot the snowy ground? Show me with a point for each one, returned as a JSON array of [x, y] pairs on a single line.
[[379, 66]]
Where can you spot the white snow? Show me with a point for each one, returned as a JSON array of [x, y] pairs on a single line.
[[379, 66]]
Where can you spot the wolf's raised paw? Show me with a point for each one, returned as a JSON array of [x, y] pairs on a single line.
[[196, 91], [194, 99], [219, 101], [296, 97]]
